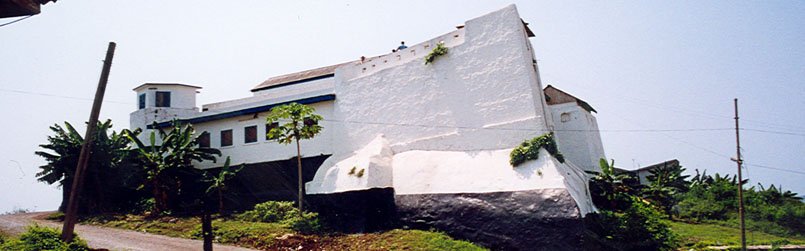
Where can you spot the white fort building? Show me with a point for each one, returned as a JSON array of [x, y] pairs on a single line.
[[434, 139]]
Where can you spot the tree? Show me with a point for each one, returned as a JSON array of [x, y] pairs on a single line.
[[611, 189], [109, 172], [664, 184], [218, 181], [165, 163], [298, 122]]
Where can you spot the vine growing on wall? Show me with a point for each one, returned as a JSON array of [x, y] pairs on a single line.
[[440, 50], [529, 150]]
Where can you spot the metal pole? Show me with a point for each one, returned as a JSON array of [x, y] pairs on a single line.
[[71, 214], [740, 179]]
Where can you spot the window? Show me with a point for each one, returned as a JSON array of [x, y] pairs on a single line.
[[250, 134], [565, 117], [163, 99], [268, 128], [141, 101], [204, 140], [226, 137], [310, 122]]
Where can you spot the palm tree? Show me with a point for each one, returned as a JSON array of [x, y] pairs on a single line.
[[163, 162], [664, 184], [300, 122], [610, 188], [61, 153], [218, 181]]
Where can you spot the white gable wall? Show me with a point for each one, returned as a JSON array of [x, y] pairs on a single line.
[[484, 95], [577, 135]]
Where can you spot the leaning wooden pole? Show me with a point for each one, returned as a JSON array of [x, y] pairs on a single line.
[[71, 214], [740, 179]]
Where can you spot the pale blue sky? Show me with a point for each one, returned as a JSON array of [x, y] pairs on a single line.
[[650, 65]]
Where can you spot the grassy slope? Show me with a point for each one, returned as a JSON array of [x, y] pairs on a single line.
[[715, 235], [271, 236]]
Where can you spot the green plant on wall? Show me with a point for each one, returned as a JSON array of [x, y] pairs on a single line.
[[529, 150], [440, 50]]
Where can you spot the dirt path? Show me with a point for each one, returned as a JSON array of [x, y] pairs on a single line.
[[109, 238]]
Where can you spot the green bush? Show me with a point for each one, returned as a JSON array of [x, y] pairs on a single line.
[[438, 51], [639, 227], [529, 150], [285, 213], [43, 238]]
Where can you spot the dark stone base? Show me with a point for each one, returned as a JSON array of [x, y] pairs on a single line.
[[545, 219], [356, 211]]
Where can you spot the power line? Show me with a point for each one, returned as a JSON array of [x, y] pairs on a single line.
[[772, 132], [777, 168], [59, 96], [20, 19], [521, 129]]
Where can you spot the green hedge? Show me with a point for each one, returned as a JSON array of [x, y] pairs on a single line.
[[38, 238]]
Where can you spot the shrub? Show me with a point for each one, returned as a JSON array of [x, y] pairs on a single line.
[[43, 238], [285, 213], [438, 51], [639, 227], [529, 150]]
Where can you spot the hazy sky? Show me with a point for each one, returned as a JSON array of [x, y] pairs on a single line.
[[662, 74]]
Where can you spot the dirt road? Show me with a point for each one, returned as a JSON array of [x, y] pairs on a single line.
[[108, 238]]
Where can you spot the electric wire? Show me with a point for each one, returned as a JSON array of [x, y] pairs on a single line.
[[20, 19], [59, 96]]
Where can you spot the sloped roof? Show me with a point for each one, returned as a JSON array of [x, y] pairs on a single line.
[[298, 77], [561, 97], [179, 84]]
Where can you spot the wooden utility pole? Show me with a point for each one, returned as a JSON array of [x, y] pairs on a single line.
[[71, 214], [740, 179]]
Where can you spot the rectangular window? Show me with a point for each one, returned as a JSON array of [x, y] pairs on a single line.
[[204, 140], [163, 99], [226, 137], [250, 134], [141, 101], [268, 128]]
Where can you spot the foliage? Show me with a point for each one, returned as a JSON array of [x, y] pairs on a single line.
[[298, 122], [529, 150], [43, 238], [275, 236], [218, 181], [110, 177], [283, 212], [664, 184], [167, 163], [772, 210], [611, 190], [638, 227], [439, 50]]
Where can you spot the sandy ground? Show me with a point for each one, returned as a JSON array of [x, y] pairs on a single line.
[[107, 238]]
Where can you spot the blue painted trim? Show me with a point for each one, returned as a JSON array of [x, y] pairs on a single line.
[[247, 111], [295, 82]]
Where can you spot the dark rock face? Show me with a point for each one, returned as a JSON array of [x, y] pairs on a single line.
[[356, 211], [545, 219]]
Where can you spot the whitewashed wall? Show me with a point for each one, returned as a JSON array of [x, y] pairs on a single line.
[[483, 95], [577, 135], [263, 150]]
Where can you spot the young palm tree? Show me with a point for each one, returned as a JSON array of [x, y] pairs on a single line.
[[298, 122], [218, 181], [609, 188], [162, 162]]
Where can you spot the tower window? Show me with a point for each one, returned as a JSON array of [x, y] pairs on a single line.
[[141, 101], [204, 140], [250, 134], [226, 137], [163, 99]]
